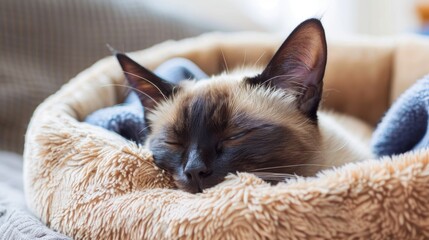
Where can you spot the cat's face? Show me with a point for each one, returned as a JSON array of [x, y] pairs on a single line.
[[223, 125], [202, 130]]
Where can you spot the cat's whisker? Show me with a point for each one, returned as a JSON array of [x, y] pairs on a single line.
[[338, 149], [279, 76], [224, 60], [259, 58], [298, 84], [327, 90], [120, 85], [145, 79], [331, 138], [291, 166], [129, 87], [326, 150], [272, 174], [150, 110], [269, 176], [244, 59], [141, 131]]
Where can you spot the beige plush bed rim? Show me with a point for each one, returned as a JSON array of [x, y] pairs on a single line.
[[90, 183]]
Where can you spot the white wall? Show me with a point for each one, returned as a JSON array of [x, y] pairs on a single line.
[[340, 17]]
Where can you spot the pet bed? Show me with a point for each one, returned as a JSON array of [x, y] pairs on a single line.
[[89, 183]]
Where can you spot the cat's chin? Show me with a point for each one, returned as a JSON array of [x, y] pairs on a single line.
[[194, 188], [190, 188]]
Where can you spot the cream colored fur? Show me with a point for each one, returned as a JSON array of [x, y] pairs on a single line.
[[341, 143]]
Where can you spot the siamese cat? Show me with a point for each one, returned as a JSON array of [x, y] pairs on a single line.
[[263, 121]]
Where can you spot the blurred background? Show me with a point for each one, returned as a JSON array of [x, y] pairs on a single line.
[[340, 17], [44, 43]]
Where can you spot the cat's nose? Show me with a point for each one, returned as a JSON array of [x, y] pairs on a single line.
[[196, 171]]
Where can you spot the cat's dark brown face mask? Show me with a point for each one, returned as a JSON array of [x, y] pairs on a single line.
[[264, 124]]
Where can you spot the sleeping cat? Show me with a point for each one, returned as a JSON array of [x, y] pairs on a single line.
[[264, 121]]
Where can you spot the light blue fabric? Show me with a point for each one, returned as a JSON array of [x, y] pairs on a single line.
[[405, 125], [127, 119]]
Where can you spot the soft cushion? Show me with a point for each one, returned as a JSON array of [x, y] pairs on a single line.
[[90, 183]]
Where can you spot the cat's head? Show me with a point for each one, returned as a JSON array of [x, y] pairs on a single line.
[[256, 122]]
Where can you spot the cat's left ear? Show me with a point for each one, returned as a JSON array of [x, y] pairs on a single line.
[[150, 88], [299, 66]]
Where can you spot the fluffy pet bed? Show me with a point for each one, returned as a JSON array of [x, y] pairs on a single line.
[[89, 183]]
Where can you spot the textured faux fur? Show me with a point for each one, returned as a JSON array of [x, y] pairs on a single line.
[[90, 183]]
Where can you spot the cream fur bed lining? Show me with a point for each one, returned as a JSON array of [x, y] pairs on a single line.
[[89, 183]]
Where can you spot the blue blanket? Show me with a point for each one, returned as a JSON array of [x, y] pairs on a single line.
[[404, 126], [127, 119]]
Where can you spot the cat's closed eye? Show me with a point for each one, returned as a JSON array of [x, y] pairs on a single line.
[[237, 135], [232, 139], [173, 143]]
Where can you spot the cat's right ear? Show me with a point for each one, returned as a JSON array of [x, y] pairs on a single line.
[[150, 88], [299, 66]]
